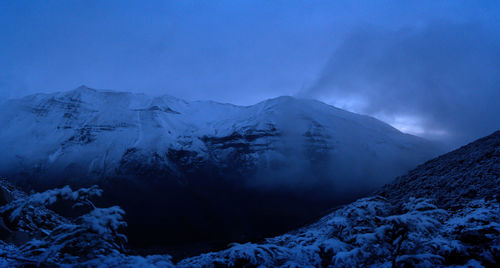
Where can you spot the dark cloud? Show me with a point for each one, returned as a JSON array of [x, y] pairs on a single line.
[[443, 78], [420, 77]]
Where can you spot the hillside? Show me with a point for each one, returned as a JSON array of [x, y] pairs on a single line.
[[446, 212], [398, 227], [454, 179]]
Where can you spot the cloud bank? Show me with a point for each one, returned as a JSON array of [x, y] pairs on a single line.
[[439, 80]]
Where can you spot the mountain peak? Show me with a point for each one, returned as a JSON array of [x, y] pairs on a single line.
[[84, 88], [284, 98]]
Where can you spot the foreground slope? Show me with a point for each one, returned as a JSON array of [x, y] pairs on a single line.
[[445, 212], [402, 226], [202, 168], [453, 179]]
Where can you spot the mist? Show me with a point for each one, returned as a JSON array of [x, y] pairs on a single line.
[[440, 80], [427, 68]]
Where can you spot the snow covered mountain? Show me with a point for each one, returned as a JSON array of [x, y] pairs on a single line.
[[101, 133], [212, 166]]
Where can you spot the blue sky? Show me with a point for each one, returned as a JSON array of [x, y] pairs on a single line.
[[246, 51]]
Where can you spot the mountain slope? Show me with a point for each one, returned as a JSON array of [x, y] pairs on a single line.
[[208, 167], [100, 132], [398, 230], [446, 212], [467, 173]]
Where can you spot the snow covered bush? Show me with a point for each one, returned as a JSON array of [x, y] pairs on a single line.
[[477, 228], [242, 255], [89, 236], [373, 232], [379, 233], [129, 261], [411, 234], [91, 239], [56, 239], [29, 213]]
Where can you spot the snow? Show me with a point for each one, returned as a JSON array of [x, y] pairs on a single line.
[[102, 220], [55, 239], [91, 130], [419, 229], [374, 236]]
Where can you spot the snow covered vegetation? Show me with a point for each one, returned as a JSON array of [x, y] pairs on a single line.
[[446, 212], [35, 235], [374, 232], [455, 221]]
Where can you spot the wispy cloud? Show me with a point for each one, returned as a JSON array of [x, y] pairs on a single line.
[[438, 79]]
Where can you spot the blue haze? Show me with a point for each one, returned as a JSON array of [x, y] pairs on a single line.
[[430, 68]]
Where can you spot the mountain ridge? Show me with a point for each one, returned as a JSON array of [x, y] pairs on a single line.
[[280, 99], [88, 114], [211, 166]]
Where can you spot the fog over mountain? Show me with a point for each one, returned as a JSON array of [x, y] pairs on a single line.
[[444, 213], [439, 80], [209, 165]]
